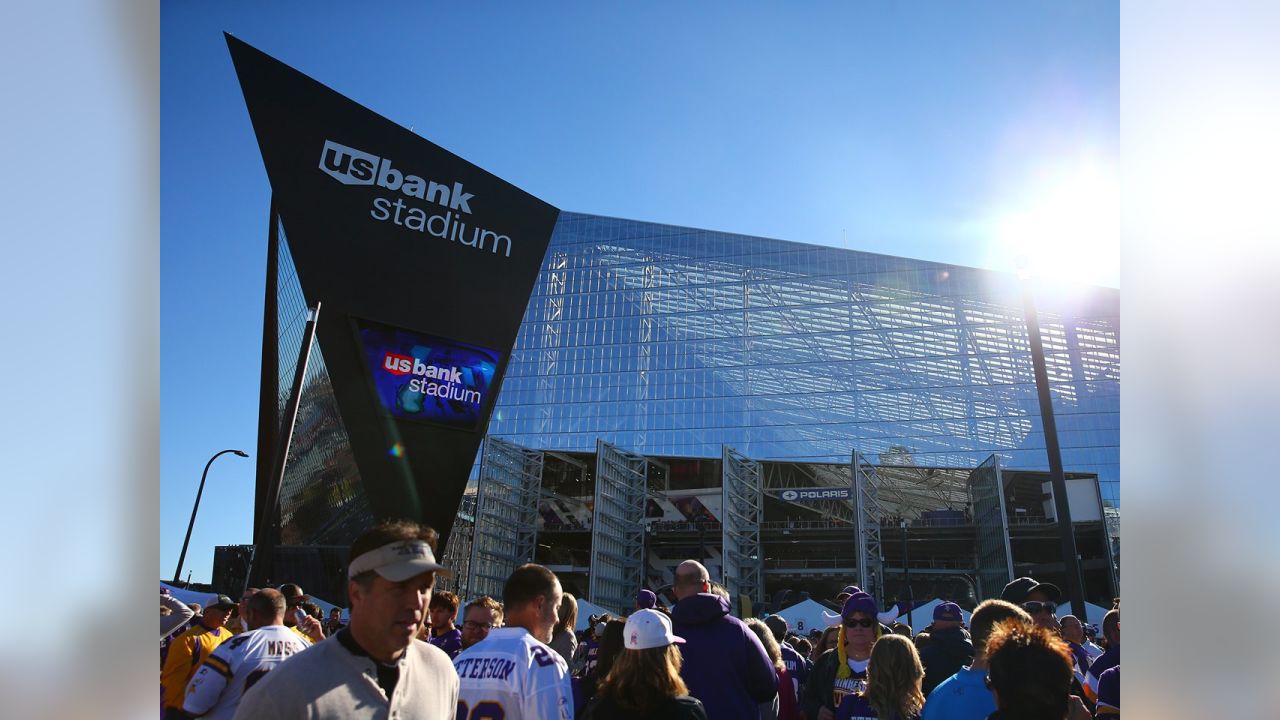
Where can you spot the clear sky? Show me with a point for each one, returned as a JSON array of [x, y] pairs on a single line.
[[938, 130]]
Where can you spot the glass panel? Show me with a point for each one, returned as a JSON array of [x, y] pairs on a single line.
[[672, 341], [322, 499]]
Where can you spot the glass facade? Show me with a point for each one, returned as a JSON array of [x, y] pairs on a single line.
[[322, 500], [670, 343], [674, 341]]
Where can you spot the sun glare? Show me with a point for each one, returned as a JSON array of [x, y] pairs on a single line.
[[1066, 228]]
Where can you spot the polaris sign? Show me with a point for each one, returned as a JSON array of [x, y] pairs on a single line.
[[809, 494]]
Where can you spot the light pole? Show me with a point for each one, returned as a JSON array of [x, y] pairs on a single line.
[[906, 575], [183, 555], [1066, 533]]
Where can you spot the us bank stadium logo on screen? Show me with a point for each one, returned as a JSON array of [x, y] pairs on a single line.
[[423, 377], [351, 166]]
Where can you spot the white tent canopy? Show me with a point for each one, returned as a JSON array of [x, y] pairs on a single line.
[[805, 616], [586, 609], [190, 596], [1094, 613], [923, 615], [205, 599]]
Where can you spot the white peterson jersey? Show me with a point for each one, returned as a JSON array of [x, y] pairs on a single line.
[[511, 676], [234, 666]]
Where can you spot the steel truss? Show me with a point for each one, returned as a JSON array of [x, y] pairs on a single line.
[[617, 528], [742, 510], [870, 553], [457, 553], [506, 527], [994, 557]]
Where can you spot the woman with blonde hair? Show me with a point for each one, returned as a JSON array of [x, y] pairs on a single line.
[[644, 682], [563, 640], [784, 705], [893, 684]]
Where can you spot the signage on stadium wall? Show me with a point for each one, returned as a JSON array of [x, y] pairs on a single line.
[[810, 494], [383, 225], [423, 377]]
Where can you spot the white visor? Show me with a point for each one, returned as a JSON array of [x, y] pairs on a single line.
[[398, 561]]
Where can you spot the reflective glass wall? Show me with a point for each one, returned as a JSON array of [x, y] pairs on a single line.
[[672, 341], [322, 500]]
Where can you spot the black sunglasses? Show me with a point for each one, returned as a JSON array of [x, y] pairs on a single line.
[[1035, 606], [864, 622]]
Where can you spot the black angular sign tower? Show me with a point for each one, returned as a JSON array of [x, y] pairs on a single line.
[[423, 264]]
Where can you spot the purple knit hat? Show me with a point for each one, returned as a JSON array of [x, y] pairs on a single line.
[[859, 602]]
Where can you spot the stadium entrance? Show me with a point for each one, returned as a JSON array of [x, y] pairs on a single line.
[[773, 532]]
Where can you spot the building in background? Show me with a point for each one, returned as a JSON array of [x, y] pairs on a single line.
[[774, 532], [670, 344], [673, 341], [701, 350]]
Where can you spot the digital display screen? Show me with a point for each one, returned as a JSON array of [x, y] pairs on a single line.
[[424, 377]]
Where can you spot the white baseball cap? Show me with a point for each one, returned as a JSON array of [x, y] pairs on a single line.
[[397, 561], [648, 629]]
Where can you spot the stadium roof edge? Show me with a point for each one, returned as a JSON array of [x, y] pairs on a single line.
[[936, 263]]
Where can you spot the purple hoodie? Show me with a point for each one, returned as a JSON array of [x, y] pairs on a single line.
[[725, 666]]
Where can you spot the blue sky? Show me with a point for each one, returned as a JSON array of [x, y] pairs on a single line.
[[924, 130]]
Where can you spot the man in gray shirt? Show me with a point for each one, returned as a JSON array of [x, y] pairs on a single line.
[[374, 667]]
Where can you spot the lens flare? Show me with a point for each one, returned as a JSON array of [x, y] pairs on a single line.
[[1066, 225]]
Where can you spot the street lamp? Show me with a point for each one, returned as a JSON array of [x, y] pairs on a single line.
[[1066, 533], [183, 555]]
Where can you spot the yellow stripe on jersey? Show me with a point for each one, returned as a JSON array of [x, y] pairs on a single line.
[[218, 665]]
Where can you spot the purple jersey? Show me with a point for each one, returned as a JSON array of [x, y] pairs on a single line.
[[450, 642], [854, 706], [854, 685], [1109, 693]]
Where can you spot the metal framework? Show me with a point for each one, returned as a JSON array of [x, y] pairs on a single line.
[[742, 510], [457, 551], [994, 556], [506, 525], [676, 341], [617, 528], [866, 498], [1107, 523]]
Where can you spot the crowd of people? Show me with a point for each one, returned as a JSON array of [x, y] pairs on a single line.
[[401, 654]]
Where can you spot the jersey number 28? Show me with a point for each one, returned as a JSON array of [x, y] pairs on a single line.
[[484, 710]]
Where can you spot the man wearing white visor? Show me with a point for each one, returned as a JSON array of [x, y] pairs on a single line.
[[645, 680], [373, 667]]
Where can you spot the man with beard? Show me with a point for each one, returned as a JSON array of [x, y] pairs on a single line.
[[191, 648], [478, 618]]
